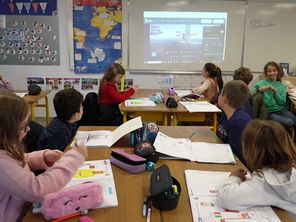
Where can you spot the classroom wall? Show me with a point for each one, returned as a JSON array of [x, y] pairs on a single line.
[[17, 73]]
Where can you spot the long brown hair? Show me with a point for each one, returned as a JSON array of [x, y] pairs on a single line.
[[13, 111], [266, 144], [278, 68], [215, 73], [110, 73]]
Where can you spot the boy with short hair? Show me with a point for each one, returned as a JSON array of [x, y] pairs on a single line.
[[232, 122], [60, 131]]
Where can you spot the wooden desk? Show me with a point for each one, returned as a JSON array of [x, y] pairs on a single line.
[[133, 188], [158, 113], [33, 101]]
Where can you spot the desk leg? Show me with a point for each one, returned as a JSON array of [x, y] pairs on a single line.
[[175, 119], [33, 111], [165, 119], [46, 110], [215, 122], [124, 117]]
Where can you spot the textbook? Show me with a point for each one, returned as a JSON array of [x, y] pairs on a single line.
[[193, 151], [98, 171], [203, 188], [200, 106], [107, 138], [139, 102]]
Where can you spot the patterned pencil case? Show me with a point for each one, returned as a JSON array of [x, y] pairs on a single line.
[[128, 161]]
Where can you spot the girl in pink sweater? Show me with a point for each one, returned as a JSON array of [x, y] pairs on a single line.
[[18, 183]]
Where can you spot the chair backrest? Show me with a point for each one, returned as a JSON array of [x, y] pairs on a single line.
[[259, 109], [91, 115]]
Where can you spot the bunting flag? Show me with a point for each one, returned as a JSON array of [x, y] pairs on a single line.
[[32, 7], [19, 6]]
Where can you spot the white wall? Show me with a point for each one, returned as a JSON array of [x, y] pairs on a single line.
[[17, 74]]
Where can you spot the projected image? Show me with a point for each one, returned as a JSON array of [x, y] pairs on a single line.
[[184, 37]]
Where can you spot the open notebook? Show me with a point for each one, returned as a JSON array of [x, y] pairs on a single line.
[[98, 171], [193, 151], [107, 138], [203, 188]]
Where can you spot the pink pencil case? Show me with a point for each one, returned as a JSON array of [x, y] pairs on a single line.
[[128, 161], [71, 200]]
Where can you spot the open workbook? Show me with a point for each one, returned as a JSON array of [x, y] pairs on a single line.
[[107, 138], [98, 171], [203, 188], [193, 151]]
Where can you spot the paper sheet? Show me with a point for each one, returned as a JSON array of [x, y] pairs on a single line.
[[21, 94], [173, 147], [203, 189], [98, 171], [105, 137], [200, 106], [212, 152], [139, 102], [183, 92]]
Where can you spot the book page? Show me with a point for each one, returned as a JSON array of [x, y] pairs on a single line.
[[212, 152], [173, 147], [125, 128], [203, 188], [93, 138], [200, 106], [98, 171], [131, 102]]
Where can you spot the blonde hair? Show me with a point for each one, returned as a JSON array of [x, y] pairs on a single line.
[[13, 111], [266, 144]]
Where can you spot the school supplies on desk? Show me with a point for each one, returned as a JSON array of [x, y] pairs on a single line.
[[98, 172], [139, 102], [203, 188], [108, 138], [200, 106], [182, 92], [22, 95], [193, 151]]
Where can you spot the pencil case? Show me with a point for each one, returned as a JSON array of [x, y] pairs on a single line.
[[71, 200], [128, 161], [165, 190]]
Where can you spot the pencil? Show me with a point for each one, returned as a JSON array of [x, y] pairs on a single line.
[[67, 217]]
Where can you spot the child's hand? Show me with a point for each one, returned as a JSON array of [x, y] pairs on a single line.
[[134, 87], [51, 156], [81, 148], [239, 173]]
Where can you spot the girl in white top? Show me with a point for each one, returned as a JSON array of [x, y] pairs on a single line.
[[270, 154], [213, 81]]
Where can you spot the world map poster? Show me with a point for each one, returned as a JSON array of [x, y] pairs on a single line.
[[97, 29]]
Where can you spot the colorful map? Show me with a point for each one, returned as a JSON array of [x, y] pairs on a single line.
[[97, 37]]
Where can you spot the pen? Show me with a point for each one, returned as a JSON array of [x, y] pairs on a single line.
[[144, 208], [192, 134], [148, 214]]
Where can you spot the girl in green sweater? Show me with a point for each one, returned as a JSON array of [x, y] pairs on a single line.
[[274, 95]]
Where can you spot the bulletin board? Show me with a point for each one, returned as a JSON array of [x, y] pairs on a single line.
[[29, 40]]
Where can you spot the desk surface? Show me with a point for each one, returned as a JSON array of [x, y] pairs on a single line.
[[34, 99], [133, 188]]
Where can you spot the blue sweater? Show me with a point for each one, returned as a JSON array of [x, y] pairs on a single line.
[[230, 130], [56, 135]]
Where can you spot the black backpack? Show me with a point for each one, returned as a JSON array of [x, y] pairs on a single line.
[[91, 115], [34, 89]]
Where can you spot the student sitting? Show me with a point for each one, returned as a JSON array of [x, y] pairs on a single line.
[[18, 183], [60, 131], [234, 119], [110, 97], [274, 95], [270, 154], [246, 76], [213, 81]]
